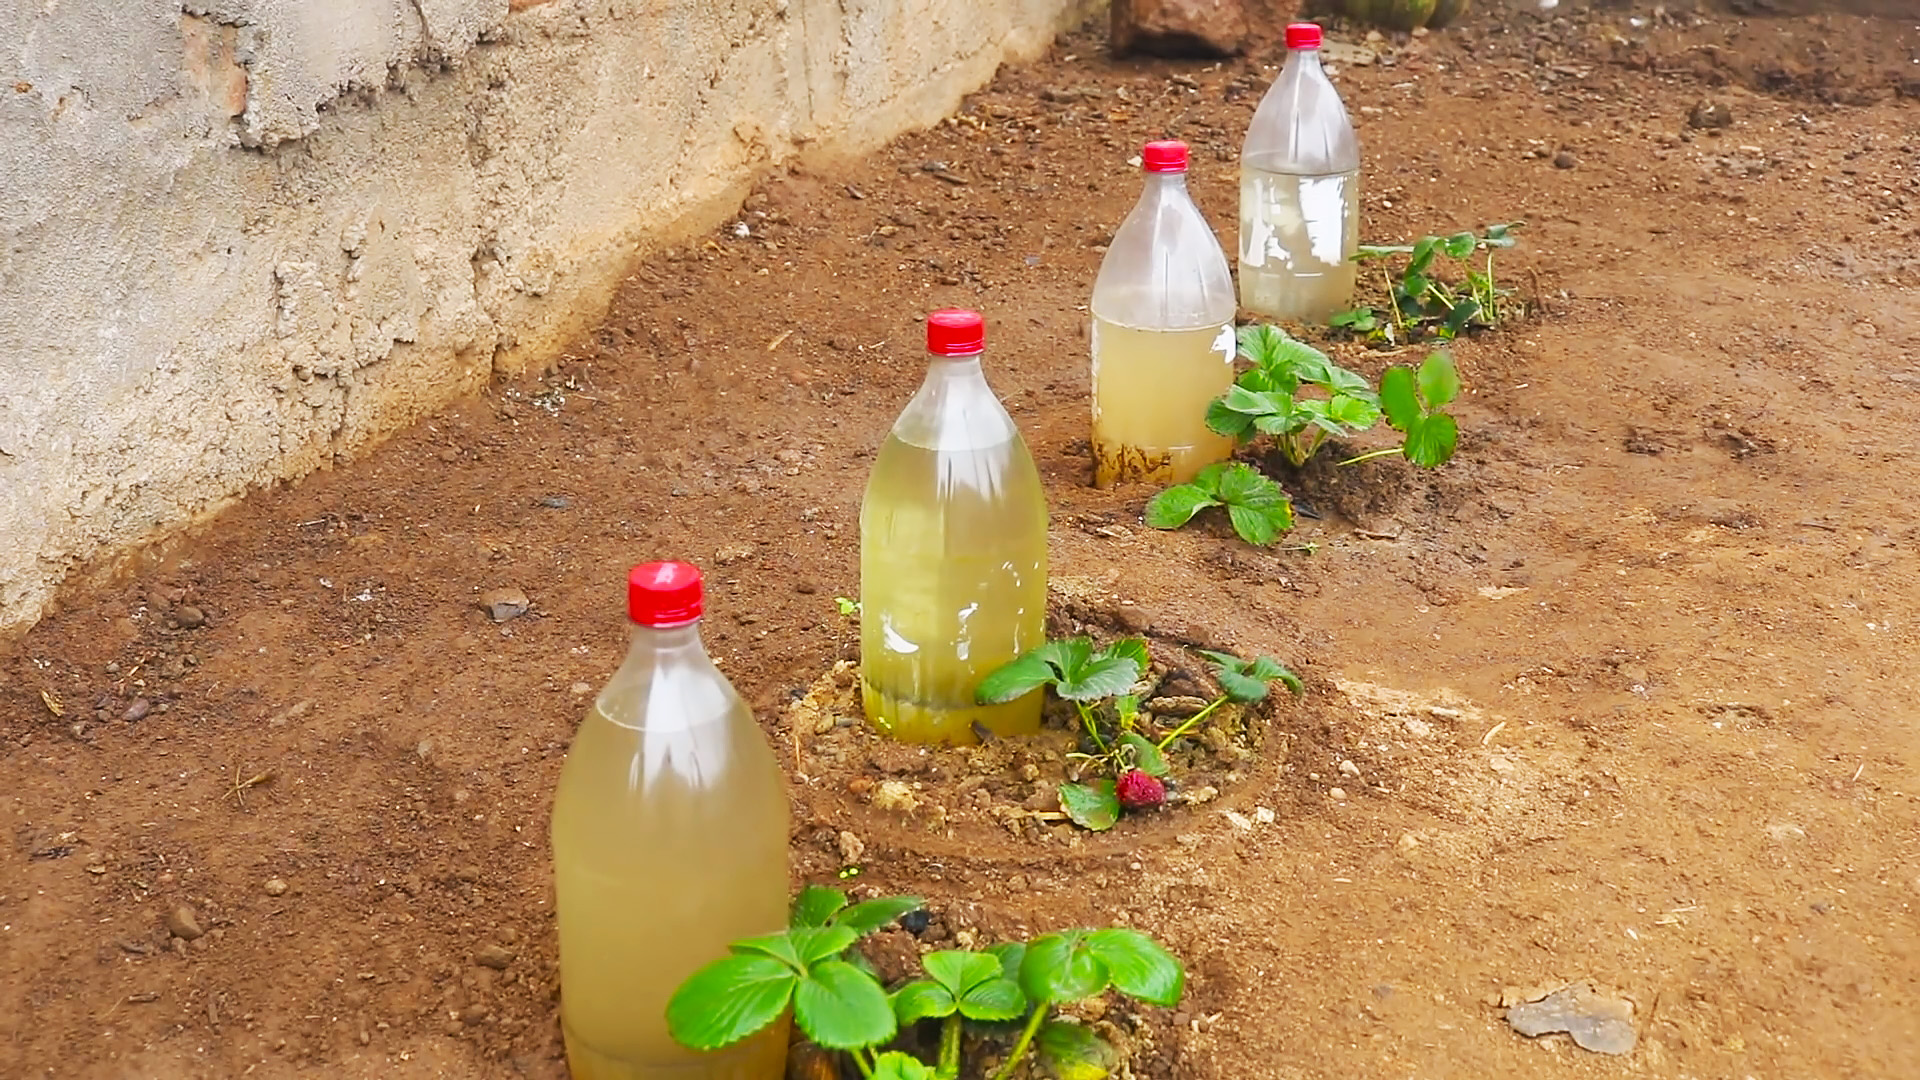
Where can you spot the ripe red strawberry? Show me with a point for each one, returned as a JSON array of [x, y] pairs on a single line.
[[1139, 791]]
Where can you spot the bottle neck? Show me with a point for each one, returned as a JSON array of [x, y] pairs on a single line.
[[681, 639], [954, 370], [1166, 185], [1305, 62]]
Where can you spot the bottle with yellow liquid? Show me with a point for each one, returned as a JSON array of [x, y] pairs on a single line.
[[669, 842], [1163, 344], [953, 553]]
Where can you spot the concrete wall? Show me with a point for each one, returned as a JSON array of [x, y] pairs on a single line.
[[240, 239]]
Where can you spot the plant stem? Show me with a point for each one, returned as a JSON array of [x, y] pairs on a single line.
[[860, 1059], [1187, 725], [950, 1048], [1093, 729], [1370, 455], [1020, 1048]]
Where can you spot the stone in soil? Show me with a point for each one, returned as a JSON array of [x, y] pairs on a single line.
[[493, 956], [1178, 28], [276, 887], [184, 923], [1596, 1022], [504, 603]]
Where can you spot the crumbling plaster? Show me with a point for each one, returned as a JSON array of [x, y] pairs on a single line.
[[241, 240]]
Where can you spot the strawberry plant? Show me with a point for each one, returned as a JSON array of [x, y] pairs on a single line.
[[843, 1006], [1120, 742], [1293, 394], [1421, 304], [1257, 508]]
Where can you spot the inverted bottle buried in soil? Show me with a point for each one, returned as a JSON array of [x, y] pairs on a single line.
[[953, 553], [669, 843], [1299, 193], [1162, 338]]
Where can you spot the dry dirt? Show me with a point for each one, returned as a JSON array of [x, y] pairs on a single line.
[[1629, 687]]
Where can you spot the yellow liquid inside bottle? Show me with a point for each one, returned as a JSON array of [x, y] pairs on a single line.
[[1297, 239], [669, 843], [1151, 389], [953, 584]]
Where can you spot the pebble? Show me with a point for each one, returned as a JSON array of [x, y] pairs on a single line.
[[189, 617], [504, 603], [1348, 768], [494, 956], [1262, 815], [580, 689], [1565, 160], [1708, 114], [851, 848], [1337, 794], [894, 795], [183, 923], [1407, 843], [1240, 821], [473, 1014], [276, 887]]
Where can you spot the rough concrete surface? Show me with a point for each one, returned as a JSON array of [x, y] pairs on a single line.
[[240, 239]]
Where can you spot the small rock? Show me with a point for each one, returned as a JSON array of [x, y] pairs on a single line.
[[137, 711], [894, 795], [473, 1014], [1408, 843], [555, 502], [1132, 619], [1417, 727], [1240, 821], [183, 923], [1178, 708], [1205, 793], [1598, 1023], [494, 956], [1709, 114], [1262, 815], [732, 553], [423, 749], [1565, 160], [276, 887], [580, 689], [1348, 768], [504, 603], [1337, 794], [189, 617], [1178, 28], [851, 848]]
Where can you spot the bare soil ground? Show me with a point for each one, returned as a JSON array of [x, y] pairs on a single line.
[[1628, 689]]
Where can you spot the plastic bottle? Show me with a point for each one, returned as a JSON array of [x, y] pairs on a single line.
[[1299, 193], [669, 842], [1162, 339], [953, 553]]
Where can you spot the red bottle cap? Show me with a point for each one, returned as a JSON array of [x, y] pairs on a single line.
[[664, 594], [1166, 155], [1303, 35], [956, 332]]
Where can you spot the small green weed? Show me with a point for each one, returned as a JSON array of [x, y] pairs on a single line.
[[1424, 306]]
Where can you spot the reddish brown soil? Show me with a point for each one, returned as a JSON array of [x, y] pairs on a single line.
[[1629, 686]]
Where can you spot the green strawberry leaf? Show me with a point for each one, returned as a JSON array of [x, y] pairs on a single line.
[[1072, 1052], [1399, 398], [840, 1007], [1241, 688], [1439, 382], [815, 905], [1267, 669], [1138, 966], [1060, 968], [1146, 756], [1222, 420], [870, 915], [1176, 506], [1430, 444], [894, 1065], [994, 1000], [729, 999], [1014, 680], [1091, 806], [1129, 648], [814, 944], [1010, 954], [923, 999], [1099, 678], [1256, 527], [959, 970]]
